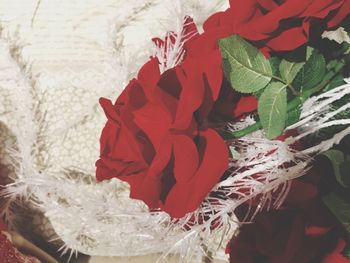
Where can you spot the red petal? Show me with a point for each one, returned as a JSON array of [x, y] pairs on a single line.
[[117, 140], [186, 197], [158, 42], [214, 21], [341, 14], [186, 158], [294, 239], [335, 256], [315, 231], [149, 75], [109, 110], [243, 11], [145, 188], [245, 105], [271, 21], [301, 193], [154, 121], [268, 4], [288, 40], [191, 96], [321, 9], [190, 28], [161, 159]]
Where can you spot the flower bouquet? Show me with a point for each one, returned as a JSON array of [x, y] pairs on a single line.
[[241, 132]]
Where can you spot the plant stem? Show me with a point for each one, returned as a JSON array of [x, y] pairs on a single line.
[[296, 102], [293, 90], [250, 129]]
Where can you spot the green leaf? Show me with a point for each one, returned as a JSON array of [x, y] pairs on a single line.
[[335, 82], [293, 116], [289, 70], [345, 174], [272, 109], [275, 64], [340, 166], [346, 251], [309, 52], [346, 142], [244, 65], [312, 73], [340, 208]]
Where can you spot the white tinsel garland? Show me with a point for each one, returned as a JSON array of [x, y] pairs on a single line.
[[88, 217], [100, 219]]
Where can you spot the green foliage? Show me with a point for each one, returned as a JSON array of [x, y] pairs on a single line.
[[293, 116], [289, 70], [244, 65], [335, 82], [345, 143], [345, 172], [340, 208], [275, 65], [272, 109], [341, 165], [346, 252], [280, 85], [312, 72]]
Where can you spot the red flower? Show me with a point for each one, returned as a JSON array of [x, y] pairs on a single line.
[[279, 25], [303, 231], [232, 105], [157, 138], [293, 236], [335, 256]]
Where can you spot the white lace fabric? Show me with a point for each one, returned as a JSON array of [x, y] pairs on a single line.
[[56, 59]]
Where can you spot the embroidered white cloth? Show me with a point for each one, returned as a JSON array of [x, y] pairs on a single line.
[[57, 57]]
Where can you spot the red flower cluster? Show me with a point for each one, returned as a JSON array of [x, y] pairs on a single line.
[[279, 25], [303, 231], [157, 137]]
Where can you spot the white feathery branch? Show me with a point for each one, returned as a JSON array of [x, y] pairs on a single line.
[[24, 157], [262, 171], [318, 113]]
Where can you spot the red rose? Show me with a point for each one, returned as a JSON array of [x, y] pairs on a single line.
[[303, 231], [232, 105], [279, 25], [336, 255], [293, 236], [157, 137]]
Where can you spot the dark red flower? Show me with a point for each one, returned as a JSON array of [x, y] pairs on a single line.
[[336, 256], [233, 105], [303, 231], [157, 138], [293, 236], [279, 25]]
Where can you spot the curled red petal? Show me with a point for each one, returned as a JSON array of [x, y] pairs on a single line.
[[149, 75], [245, 105], [288, 40], [340, 15], [154, 121], [335, 256], [185, 198], [186, 158]]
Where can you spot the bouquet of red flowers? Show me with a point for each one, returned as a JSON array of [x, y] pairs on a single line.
[[248, 123]]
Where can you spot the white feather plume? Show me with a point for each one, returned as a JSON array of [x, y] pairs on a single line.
[[93, 217]]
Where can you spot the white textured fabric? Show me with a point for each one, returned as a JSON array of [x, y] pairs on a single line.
[[57, 57]]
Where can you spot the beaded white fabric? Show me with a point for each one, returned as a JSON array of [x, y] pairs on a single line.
[[57, 57]]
